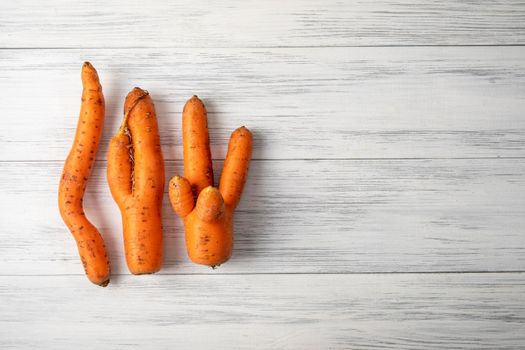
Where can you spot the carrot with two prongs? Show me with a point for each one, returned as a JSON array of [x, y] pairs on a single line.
[[136, 179], [208, 221], [77, 170]]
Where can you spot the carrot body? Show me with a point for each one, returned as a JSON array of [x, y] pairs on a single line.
[[76, 172], [208, 222], [236, 164], [136, 178], [197, 155]]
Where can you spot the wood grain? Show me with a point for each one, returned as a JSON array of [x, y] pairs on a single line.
[[238, 23], [300, 103], [389, 172], [301, 216], [458, 311]]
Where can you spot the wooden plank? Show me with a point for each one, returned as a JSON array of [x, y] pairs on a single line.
[[301, 103], [97, 23], [301, 217], [445, 311]]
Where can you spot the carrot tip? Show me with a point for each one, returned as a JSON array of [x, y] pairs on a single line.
[[88, 67], [104, 284], [176, 179], [139, 95], [140, 273], [195, 99], [243, 131], [89, 77]]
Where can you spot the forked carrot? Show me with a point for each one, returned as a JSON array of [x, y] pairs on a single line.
[[136, 178], [208, 221]]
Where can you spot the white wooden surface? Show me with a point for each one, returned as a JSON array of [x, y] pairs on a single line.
[[385, 206]]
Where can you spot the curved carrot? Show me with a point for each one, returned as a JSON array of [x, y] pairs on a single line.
[[209, 222], [77, 170], [136, 178]]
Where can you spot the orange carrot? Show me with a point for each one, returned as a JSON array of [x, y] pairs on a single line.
[[136, 178], [77, 170], [209, 221], [181, 196], [197, 155], [235, 168]]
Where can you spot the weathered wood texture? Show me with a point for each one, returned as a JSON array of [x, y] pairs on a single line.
[[300, 103], [301, 216], [384, 208], [459, 311], [239, 23]]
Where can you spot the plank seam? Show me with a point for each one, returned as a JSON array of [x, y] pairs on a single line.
[[290, 273], [251, 47], [52, 161]]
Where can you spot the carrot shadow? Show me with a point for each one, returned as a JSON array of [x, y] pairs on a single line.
[[251, 223], [169, 120]]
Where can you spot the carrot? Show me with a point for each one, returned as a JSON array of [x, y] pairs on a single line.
[[136, 179], [208, 222], [235, 168], [197, 155], [77, 170]]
